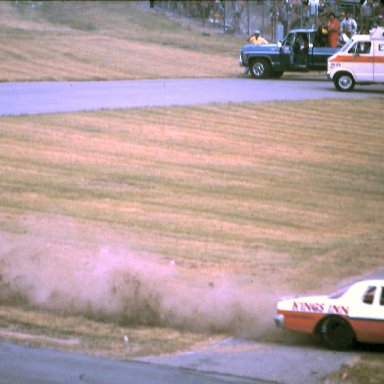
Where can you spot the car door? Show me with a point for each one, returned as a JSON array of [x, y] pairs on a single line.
[[367, 314], [378, 61]]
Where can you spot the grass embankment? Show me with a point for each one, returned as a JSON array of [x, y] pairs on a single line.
[[107, 40], [195, 210], [233, 177], [81, 334]]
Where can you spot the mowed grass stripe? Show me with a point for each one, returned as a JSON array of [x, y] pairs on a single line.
[[229, 177]]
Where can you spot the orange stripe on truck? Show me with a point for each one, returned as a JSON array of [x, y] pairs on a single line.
[[357, 59]]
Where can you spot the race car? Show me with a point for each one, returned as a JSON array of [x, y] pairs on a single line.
[[353, 314]]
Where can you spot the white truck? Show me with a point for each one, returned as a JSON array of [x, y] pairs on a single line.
[[360, 61]]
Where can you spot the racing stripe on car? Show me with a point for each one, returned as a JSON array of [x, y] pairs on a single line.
[[369, 330], [301, 321]]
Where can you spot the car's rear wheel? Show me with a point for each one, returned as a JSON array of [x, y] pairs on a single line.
[[260, 68], [337, 333], [344, 82]]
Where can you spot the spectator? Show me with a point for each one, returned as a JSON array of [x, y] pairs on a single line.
[[238, 7], [333, 27], [341, 18], [379, 14], [256, 38], [348, 25], [366, 16], [284, 15]]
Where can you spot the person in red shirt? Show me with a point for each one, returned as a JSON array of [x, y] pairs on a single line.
[[333, 27]]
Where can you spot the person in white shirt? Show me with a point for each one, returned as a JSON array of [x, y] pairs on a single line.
[[348, 25]]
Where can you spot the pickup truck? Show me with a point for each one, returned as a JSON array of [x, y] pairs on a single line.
[[300, 50]]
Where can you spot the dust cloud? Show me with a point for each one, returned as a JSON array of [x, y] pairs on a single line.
[[107, 282]]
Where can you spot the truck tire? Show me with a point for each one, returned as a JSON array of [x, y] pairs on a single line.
[[260, 69], [344, 82], [337, 334]]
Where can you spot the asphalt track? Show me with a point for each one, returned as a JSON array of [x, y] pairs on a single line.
[[58, 97], [23, 365]]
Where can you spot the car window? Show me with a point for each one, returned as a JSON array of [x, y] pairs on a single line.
[[382, 297], [369, 295]]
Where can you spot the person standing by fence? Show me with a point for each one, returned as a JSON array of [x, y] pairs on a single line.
[[366, 16], [333, 27], [238, 7]]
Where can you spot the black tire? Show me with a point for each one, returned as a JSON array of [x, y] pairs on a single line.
[[337, 334], [260, 69], [344, 82], [277, 74]]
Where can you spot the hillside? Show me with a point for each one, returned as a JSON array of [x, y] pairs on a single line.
[[107, 40]]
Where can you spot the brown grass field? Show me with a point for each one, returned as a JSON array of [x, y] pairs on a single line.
[[173, 225], [91, 40]]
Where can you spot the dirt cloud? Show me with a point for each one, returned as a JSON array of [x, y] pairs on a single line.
[[113, 283]]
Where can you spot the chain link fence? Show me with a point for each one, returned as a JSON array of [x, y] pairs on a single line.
[[272, 17]]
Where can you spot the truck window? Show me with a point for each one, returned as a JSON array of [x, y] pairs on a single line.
[[301, 43], [361, 48], [288, 41], [369, 295], [320, 40]]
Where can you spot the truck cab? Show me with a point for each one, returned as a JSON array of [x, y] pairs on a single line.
[[300, 50], [360, 61], [304, 50]]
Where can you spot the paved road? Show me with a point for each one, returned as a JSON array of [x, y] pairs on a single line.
[[304, 362], [51, 97], [23, 365]]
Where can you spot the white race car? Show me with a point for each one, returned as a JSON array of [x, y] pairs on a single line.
[[354, 314]]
